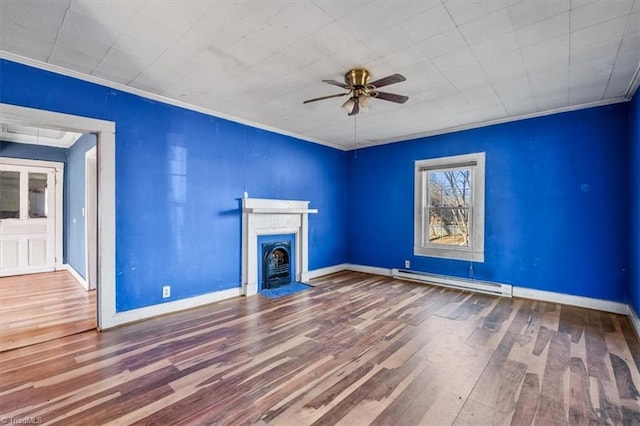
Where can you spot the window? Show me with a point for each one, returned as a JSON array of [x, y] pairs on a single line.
[[37, 195], [9, 195], [449, 207]]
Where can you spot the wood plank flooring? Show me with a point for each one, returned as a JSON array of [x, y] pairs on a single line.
[[355, 350], [39, 307]]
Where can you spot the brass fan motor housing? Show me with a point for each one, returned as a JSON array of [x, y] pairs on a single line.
[[357, 78]]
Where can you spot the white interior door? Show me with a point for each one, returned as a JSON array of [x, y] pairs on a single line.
[[29, 210]]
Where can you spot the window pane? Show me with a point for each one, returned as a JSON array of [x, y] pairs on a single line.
[[9, 195], [450, 188], [449, 226], [449, 203], [37, 195]]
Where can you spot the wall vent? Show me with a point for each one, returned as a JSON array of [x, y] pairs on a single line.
[[487, 287]]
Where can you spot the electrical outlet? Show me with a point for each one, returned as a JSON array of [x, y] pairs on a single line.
[[166, 291], [407, 264]]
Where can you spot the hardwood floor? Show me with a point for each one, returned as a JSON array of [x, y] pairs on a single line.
[[355, 350], [40, 307]]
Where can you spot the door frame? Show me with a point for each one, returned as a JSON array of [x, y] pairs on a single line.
[[90, 215], [58, 201], [106, 138]]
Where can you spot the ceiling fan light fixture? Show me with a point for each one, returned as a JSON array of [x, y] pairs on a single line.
[[364, 103], [359, 90]]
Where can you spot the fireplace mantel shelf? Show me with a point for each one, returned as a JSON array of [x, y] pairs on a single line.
[[259, 210]]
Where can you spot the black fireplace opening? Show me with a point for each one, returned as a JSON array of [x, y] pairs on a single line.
[[276, 264]]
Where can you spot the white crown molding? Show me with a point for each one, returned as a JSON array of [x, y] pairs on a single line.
[[481, 124], [633, 86], [97, 80], [143, 93]]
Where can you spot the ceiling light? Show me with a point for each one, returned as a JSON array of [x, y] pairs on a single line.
[[359, 90], [364, 103]]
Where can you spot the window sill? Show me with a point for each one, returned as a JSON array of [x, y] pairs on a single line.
[[450, 253]]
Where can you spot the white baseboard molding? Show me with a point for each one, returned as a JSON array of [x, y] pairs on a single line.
[[569, 299], [134, 315], [529, 293], [28, 271], [369, 269], [122, 318], [498, 289], [635, 321], [76, 275], [320, 272], [345, 267]]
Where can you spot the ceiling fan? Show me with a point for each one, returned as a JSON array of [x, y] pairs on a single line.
[[356, 81]]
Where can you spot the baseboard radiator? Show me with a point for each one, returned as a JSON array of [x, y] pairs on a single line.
[[454, 282]]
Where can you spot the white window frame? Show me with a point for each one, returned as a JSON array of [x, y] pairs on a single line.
[[475, 251]]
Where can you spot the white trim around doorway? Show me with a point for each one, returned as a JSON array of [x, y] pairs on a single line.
[[105, 131]]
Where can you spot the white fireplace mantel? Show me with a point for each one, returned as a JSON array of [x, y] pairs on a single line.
[[262, 216]]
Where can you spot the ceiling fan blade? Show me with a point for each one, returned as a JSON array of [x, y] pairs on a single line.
[[336, 83], [400, 99], [391, 79], [324, 97], [356, 108]]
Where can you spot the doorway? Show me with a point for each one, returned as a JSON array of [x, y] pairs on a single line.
[[91, 217], [44, 291], [101, 269]]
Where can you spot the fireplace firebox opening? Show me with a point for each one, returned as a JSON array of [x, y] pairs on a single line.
[[276, 264]]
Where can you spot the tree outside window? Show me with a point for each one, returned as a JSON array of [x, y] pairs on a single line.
[[449, 207]]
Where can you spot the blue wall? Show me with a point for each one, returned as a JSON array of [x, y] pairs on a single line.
[[634, 195], [74, 203], [557, 194], [179, 179], [556, 203], [32, 152]]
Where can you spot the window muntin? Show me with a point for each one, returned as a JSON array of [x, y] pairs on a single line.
[[449, 201]]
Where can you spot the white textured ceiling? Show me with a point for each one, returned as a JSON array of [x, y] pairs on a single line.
[[466, 62], [37, 136]]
